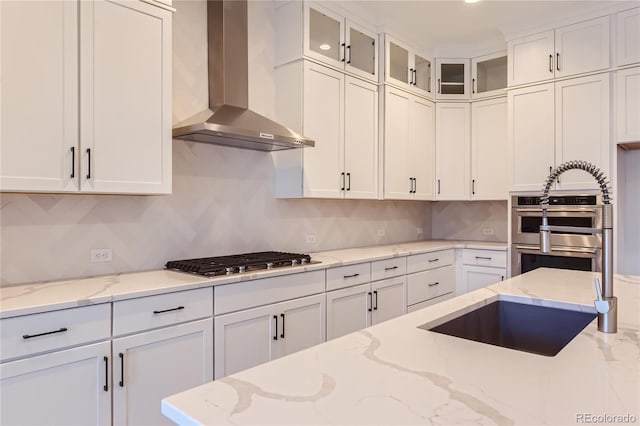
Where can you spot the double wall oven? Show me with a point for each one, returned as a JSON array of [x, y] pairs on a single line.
[[569, 250]]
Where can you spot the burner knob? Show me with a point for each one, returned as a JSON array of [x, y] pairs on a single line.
[[294, 262], [229, 271], [241, 269], [303, 261], [270, 265]]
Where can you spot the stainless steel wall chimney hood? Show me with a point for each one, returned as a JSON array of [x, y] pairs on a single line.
[[228, 121]]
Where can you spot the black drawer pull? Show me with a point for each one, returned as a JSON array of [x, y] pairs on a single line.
[[275, 336], [433, 284], [29, 336], [391, 268], [121, 383], [106, 374], [370, 301], [282, 334], [351, 276], [375, 307], [433, 260], [483, 257], [179, 308]]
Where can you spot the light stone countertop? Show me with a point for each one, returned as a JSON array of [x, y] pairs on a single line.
[[41, 297], [395, 373]]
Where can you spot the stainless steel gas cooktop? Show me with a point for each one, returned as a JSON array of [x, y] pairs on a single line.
[[239, 263]]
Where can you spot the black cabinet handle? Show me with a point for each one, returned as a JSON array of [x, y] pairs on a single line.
[[550, 63], [415, 185], [73, 162], [88, 163], [342, 176], [473, 187], [282, 334], [121, 383], [348, 181], [106, 374], [558, 61], [344, 53], [179, 308], [351, 276], [502, 278], [434, 260], [434, 284], [415, 77], [438, 186], [275, 336], [483, 257], [473, 85], [410, 185], [439, 86], [411, 76], [370, 301], [29, 336], [375, 307], [391, 268], [349, 49]]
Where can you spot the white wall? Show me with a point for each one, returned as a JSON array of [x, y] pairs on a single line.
[[222, 199]]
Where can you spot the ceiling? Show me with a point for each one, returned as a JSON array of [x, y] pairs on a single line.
[[454, 26]]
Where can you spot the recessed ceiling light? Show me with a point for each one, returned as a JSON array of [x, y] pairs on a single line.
[[325, 46], [471, 1]]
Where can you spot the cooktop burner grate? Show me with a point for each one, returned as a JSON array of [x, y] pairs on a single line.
[[238, 263]]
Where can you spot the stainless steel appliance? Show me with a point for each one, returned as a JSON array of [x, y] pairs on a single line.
[[571, 249], [239, 263]]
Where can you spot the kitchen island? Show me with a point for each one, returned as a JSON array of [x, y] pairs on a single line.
[[396, 373]]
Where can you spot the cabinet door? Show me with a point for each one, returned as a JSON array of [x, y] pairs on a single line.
[[324, 123], [628, 105], [348, 310], [362, 52], [70, 387], [422, 74], [452, 78], [302, 324], [453, 151], [489, 75], [582, 127], [396, 62], [582, 47], [153, 365], [125, 75], [235, 332], [530, 59], [421, 155], [389, 299], [361, 139], [628, 41], [39, 106], [397, 107], [323, 37], [531, 136], [475, 277], [489, 150]]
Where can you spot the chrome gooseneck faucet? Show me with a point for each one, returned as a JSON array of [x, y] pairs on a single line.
[[606, 304]]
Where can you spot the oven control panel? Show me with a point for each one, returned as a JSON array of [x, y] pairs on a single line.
[[568, 200]]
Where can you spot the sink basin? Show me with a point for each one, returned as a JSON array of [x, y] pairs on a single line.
[[529, 328]]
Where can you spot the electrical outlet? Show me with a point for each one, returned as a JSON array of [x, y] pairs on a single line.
[[101, 255], [419, 231], [488, 231], [310, 239], [380, 232]]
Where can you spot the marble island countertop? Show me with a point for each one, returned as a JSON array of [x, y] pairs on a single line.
[[40, 297], [395, 373]]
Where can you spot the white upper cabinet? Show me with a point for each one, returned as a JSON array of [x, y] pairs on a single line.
[[566, 51], [310, 30], [489, 75], [628, 39], [452, 79], [406, 68], [489, 150], [453, 137], [103, 106], [557, 122], [340, 113], [409, 131], [628, 105]]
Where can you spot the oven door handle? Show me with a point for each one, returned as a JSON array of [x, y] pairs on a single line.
[[554, 209], [559, 250]]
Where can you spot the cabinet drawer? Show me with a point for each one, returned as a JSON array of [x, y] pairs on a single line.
[[347, 276], [389, 268], [494, 258], [145, 313], [425, 261], [426, 285], [430, 302], [31, 334]]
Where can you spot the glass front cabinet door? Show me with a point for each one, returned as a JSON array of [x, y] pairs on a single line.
[[334, 40], [406, 68], [489, 75], [452, 79]]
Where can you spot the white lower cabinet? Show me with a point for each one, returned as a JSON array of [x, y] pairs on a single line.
[[251, 337], [354, 308], [68, 387], [482, 268], [152, 365], [432, 277]]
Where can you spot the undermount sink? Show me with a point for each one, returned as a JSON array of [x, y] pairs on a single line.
[[530, 328]]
